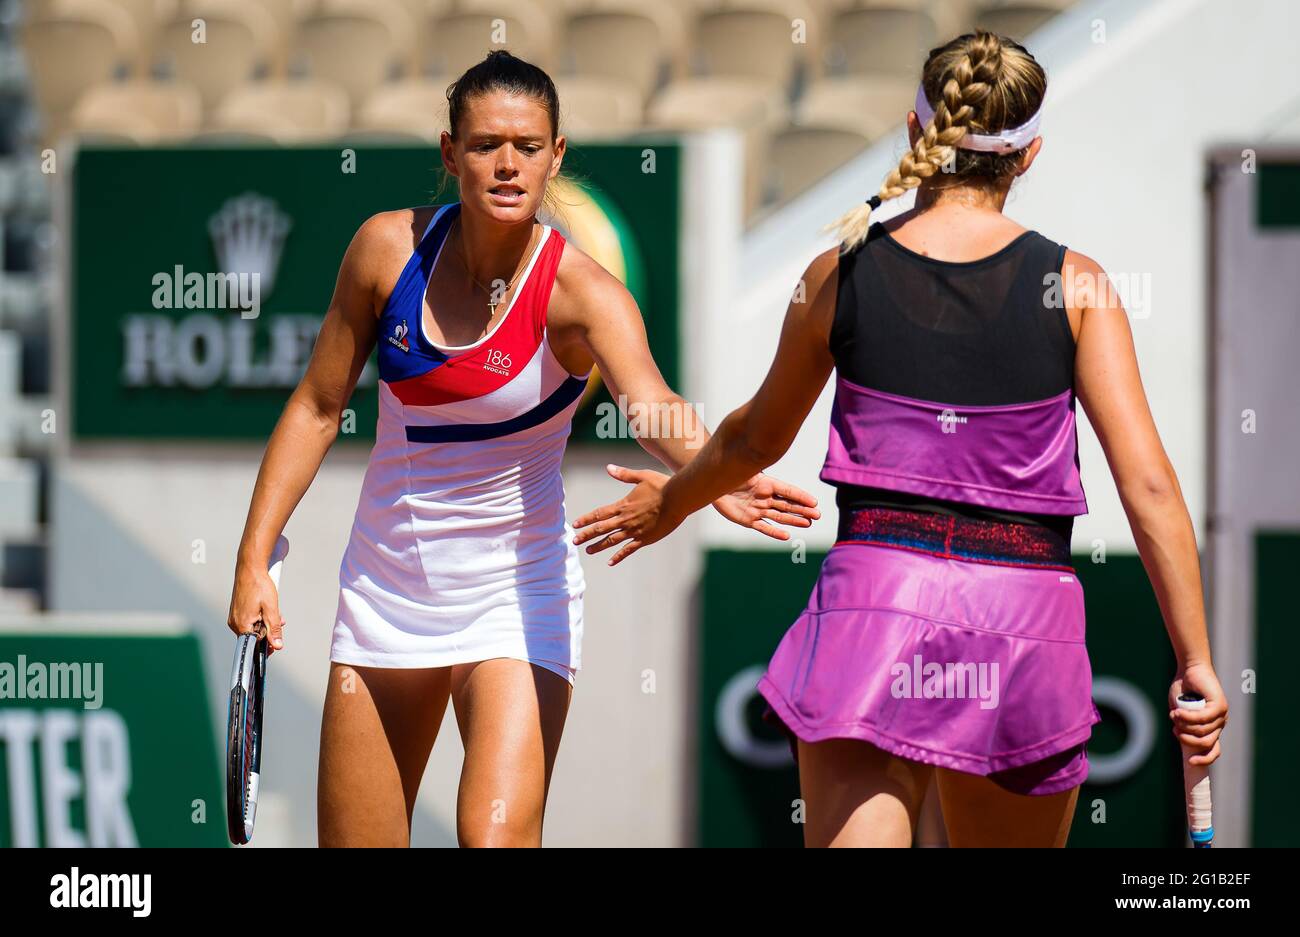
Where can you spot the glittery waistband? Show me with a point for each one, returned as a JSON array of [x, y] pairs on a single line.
[[977, 540]]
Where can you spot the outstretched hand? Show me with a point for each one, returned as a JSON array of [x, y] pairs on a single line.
[[635, 520], [763, 500], [641, 516]]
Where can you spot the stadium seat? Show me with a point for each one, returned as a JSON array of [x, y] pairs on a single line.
[[24, 195], [71, 45], [871, 107], [19, 477], [952, 18], [144, 15], [356, 44], [10, 398], [695, 103], [592, 107], [881, 40], [13, 71], [138, 111], [1016, 19], [755, 108], [283, 111], [625, 40], [411, 110], [474, 28], [9, 199], [147, 16], [238, 35], [755, 39], [801, 156], [286, 14]]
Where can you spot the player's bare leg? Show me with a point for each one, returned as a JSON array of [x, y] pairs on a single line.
[[511, 715], [977, 812], [377, 730], [858, 795]]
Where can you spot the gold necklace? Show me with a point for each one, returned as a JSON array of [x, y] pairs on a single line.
[[492, 306]]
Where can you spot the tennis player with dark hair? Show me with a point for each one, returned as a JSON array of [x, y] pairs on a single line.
[[944, 639], [460, 580]]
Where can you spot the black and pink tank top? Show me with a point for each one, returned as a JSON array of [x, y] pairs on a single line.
[[955, 386]]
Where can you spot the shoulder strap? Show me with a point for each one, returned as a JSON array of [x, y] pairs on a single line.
[[541, 279], [1040, 287], [414, 277]]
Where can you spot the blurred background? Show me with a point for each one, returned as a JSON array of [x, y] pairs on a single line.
[[710, 143]]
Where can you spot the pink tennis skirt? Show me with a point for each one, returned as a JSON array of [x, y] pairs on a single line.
[[975, 666]]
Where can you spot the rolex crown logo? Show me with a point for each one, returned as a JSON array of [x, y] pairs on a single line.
[[248, 233]]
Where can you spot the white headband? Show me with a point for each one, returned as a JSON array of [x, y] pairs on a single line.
[[1004, 141]]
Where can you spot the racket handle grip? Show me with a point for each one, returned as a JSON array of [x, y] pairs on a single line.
[[1196, 789]]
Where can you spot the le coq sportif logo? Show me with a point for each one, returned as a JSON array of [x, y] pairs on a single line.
[[398, 338]]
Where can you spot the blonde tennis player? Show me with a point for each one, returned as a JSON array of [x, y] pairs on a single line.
[[944, 639]]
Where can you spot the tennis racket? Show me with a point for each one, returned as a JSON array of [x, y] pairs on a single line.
[[1196, 785], [244, 719]]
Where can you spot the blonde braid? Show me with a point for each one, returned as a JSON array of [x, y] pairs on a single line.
[[965, 86]]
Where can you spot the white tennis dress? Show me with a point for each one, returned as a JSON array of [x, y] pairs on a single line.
[[460, 550]]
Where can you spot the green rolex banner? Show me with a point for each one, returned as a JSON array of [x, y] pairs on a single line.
[[199, 276], [106, 740]]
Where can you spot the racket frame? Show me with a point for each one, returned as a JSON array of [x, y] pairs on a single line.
[[245, 707]]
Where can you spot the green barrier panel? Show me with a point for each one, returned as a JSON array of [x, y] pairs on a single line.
[[106, 740], [1135, 782], [1273, 822], [1277, 196], [746, 781]]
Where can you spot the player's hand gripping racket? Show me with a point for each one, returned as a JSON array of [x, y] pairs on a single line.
[[1196, 785], [244, 719]]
